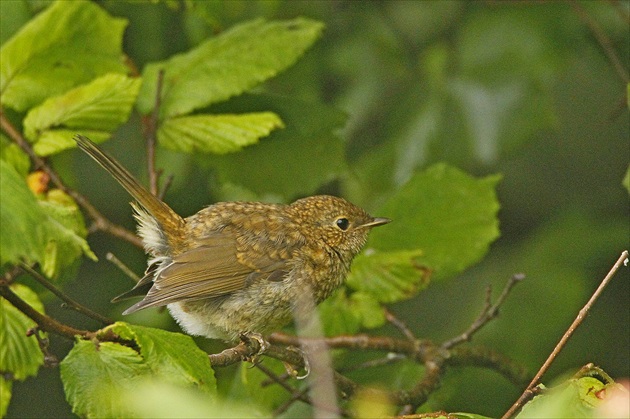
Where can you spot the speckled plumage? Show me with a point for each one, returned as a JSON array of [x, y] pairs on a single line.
[[237, 267]]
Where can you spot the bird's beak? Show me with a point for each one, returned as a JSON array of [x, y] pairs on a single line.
[[378, 221]]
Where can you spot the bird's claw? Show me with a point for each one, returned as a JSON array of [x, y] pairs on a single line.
[[292, 371], [263, 345]]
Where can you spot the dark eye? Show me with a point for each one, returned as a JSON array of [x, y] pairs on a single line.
[[343, 223]]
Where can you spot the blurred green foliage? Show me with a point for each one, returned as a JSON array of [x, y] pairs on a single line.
[[521, 89]]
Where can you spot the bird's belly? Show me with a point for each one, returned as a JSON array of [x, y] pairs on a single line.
[[260, 308]]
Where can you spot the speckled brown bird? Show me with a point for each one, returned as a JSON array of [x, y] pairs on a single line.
[[238, 267]]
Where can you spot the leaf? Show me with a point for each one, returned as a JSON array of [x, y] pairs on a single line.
[[227, 65], [55, 140], [172, 356], [101, 105], [295, 161], [20, 355], [106, 369], [5, 395], [446, 214], [337, 315], [69, 43], [626, 179], [219, 134], [388, 276], [113, 371], [14, 156], [69, 231], [37, 231]]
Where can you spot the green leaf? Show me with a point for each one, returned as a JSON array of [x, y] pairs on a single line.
[[227, 65], [172, 356], [55, 140], [626, 179], [20, 355], [69, 231], [446, 214], [70, 43], [338, 316], [217, 134], [5, 395], [106, 369], [296, 160], [388, 276], [101, 105], [14, 156], [37, 231], [113, 371], [251, 388]]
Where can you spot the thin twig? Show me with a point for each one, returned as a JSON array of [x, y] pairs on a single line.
[[488, 313], [167, 184], [528, 393], [120, 265], [151, 135], [293, 391], [99, 220], [285, 406], [602, 39], [67, 300], [399, 324]]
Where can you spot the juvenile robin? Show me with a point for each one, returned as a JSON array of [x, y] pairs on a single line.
[[239, 267]]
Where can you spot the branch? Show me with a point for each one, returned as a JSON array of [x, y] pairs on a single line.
[[150, 132], [45, 323], [529, 391], [602, 39], [99, 220], [67, 300], [488, 313]]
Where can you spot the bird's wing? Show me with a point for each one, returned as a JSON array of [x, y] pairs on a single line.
[[218, 266]]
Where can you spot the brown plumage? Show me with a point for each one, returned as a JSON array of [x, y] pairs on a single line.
[[237, 267]]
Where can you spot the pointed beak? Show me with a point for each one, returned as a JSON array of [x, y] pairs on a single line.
[[378, 221]]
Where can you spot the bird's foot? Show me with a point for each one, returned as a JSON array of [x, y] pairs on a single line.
[[291, 369], [263, 345]]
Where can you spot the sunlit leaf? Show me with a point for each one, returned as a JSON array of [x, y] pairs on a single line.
[[101, 106], [69, 43], [14, 156], [226, 65], [217, 134], [37, 231]]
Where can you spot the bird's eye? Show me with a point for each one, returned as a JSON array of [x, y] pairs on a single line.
[[342, 223]]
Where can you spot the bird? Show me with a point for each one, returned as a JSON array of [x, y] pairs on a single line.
[[235, 268]]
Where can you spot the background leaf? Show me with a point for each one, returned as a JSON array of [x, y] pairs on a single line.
[[448, 215], [226, 65], [101, 106], [69, 43]]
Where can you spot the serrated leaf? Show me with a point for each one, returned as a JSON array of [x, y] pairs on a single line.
[[388, 276], [296, 160], [54, 140], [34, 231], [112, 370], [172, 356], [368, 308], [446, 214], [19, 354], [14, 156], [69, 43], [227, 65], [219, 134], [106, 369], [101, 106]]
